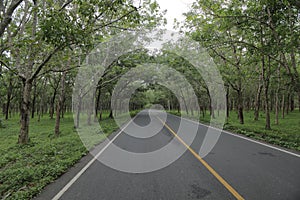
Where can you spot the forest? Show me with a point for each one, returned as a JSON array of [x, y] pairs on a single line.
[[45, 43]]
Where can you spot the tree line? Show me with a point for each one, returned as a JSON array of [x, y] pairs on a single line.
[[43, 42], [255, 45]]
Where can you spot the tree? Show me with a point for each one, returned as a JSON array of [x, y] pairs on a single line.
[[249, 33], [43, 29]]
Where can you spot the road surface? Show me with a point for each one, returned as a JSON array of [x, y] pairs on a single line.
[[237, 167]]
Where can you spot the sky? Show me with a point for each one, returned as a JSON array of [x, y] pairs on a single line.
[[175, 9]]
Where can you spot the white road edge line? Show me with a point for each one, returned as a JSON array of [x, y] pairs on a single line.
[[70, 183], [239, 136]]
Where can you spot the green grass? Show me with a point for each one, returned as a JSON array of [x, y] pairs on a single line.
[[26, 169], [285, 134]]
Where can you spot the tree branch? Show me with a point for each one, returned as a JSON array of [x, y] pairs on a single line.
[[39, 68], [65, 5], [8, 15], [59, 70], [116, 20]]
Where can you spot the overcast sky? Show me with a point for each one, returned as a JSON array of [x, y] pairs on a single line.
[[174, 8]]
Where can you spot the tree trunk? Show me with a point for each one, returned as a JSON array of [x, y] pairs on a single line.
[[296, 74], [266, 93], [60, 105], [282, 107], [111, 114], [78, 111], [240, 107], [257, 101], [63, 110], [25, 112], [292, 103], [277, 97], [288, 99], [227, 103], [100, 115], [97, 104], [276, 108], [33, 100], [271, 102], [52, 104], [27, 87], [184, 102], [90, 110], [267, 108], [211, 109], [9, 93], [39, 116]]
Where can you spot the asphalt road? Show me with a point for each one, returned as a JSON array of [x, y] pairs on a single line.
[[251, 169]]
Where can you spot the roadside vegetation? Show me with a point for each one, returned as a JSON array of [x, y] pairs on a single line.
[[286, 135], [26, 169]]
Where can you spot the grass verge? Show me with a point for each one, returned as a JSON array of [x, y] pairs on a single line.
[[286, 134], [26, 169]]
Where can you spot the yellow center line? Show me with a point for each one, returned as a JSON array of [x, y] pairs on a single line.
[[208, 167]]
